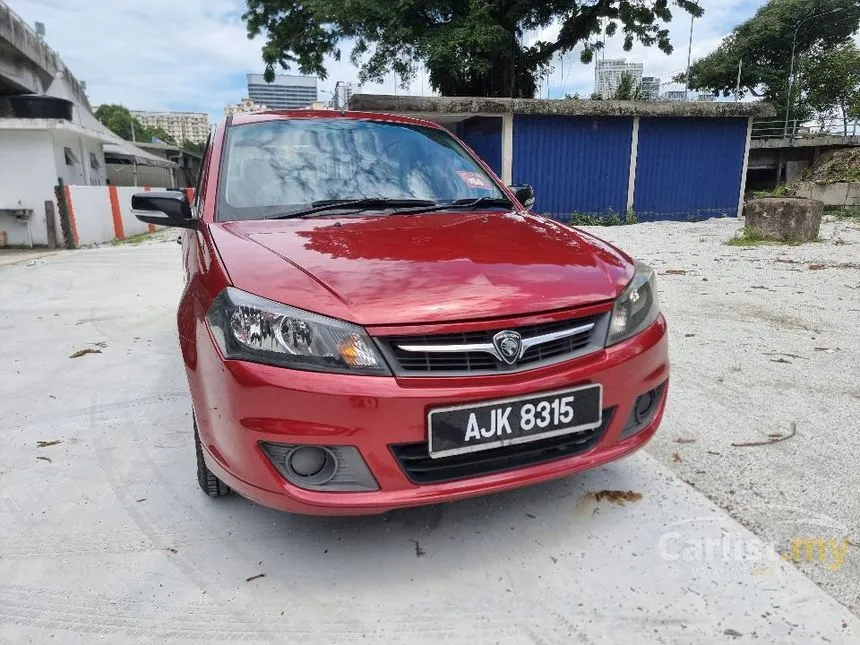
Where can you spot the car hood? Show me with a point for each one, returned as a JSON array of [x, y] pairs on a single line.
[[433, 267]]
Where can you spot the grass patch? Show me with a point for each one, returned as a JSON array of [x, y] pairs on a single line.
[[782, 190], [747, 237], [603, 219], [851, 213], [132, 239]]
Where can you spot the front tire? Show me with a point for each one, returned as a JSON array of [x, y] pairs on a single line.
[[209, 483]]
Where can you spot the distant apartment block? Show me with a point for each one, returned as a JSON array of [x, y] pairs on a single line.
[[675, 95], [284, 93], [608, 73], [650, 88], [182, 126], [245, 106]]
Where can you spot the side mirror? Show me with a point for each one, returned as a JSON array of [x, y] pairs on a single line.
[[525, 194], [168, 208]]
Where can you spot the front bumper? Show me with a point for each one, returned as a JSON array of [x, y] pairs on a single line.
[[238, 405]]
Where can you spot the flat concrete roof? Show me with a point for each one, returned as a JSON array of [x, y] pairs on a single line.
[[433, 106]]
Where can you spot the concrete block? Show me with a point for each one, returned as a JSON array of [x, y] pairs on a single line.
[[785, 219]]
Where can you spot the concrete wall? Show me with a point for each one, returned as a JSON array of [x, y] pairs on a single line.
[[838, 194], [92, 212], [95, 218], [124, 175], [31, 153]]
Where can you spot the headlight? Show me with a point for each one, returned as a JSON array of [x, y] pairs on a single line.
[[636, 308], [250, 328]]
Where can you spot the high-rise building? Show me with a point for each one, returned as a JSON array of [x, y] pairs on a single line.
[[245, 105], [608, 73], [182, 126], [284, 93], [650, 88]]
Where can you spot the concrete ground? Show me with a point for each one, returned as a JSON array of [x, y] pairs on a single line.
[[23, 256], [763, 338], [106, 537]]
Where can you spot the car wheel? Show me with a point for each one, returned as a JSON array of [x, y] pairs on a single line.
[[210, 484]]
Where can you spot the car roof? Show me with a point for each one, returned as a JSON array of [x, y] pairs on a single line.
[[243, 118]]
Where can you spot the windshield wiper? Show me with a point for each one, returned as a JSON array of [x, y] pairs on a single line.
[[461, 204], [359, 204]]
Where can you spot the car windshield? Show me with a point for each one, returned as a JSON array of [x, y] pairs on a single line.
[[275, 167]]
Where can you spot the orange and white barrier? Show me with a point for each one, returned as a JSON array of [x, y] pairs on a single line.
[[103, 213]]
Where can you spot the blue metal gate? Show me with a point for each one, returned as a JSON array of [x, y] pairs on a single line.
[[689, 169], [575, 164]]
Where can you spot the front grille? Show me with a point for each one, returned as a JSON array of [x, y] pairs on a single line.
[[419, 363], [420, 468]]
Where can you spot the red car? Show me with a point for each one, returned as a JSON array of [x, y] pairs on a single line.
[[372, 320]]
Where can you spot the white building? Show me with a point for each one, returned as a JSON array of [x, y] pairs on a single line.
[[343, 91], [245, 106], [284, 93], [182, 126], [608, 73], [650, 88], [675, 95]]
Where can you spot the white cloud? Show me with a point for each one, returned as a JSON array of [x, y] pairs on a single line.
[[194, 54]]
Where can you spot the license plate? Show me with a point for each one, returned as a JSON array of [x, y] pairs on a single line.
[[504, 422]]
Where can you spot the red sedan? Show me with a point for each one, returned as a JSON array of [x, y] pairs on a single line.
[[371, 320]]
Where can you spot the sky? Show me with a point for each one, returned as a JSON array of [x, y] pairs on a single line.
[[193, 55]]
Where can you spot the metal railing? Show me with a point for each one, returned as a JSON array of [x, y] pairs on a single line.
[[819, 127]]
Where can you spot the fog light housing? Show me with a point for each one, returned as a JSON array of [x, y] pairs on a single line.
[[644, 409], [321, 468], [311, 464]]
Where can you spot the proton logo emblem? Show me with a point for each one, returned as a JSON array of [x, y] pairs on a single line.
[[509, 345]]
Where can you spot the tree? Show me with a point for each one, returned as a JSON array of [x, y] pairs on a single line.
[[150, 133], [628, 89], [832, 79], [192, 146], [764, 44], [120, 121], [469, 47]]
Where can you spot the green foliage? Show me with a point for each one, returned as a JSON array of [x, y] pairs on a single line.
[[851, 213], [602, 219], [120, 121], [839, 166], [831, 76], [782, 190], [764, 43], [191, 146], [469, 47], [627, 89]]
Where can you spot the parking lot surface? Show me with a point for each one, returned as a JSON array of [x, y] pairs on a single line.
[[106, 537]]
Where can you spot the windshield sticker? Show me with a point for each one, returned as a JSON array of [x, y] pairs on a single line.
[[473, 179]]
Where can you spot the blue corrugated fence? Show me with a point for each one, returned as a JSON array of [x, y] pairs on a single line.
[[575, 164], [689, 168]]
